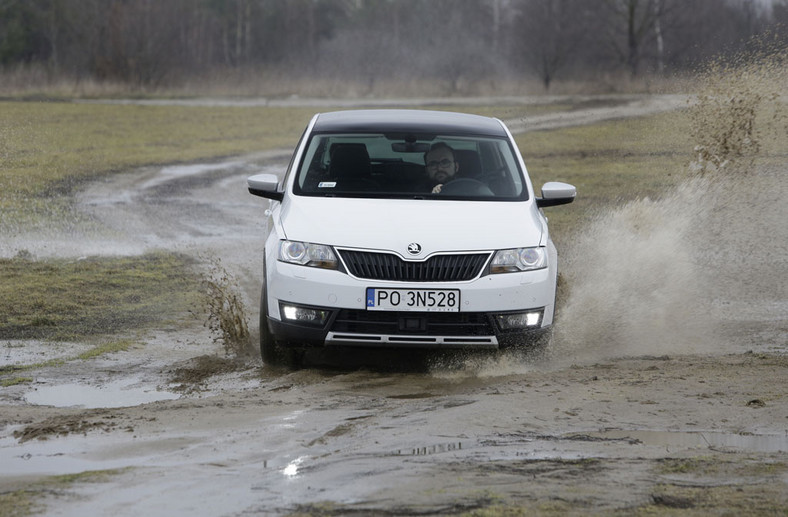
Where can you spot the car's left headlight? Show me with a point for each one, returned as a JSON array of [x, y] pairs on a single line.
[[307, 254], [518, 259]]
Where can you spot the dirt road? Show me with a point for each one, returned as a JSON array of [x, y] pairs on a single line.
[[664, 420]]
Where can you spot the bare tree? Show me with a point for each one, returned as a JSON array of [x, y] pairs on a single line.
[[451, 42], [631, 25], [549, 32]]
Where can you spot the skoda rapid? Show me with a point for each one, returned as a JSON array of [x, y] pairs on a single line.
[[406, 228]]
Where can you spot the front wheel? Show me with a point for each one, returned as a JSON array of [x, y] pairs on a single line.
[[540, 346], [534, 347], [271, 351]]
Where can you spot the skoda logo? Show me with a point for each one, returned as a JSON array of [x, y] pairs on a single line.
[[414, 248]]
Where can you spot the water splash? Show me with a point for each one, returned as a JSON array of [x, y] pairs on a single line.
[[676, 275], [704, 268]]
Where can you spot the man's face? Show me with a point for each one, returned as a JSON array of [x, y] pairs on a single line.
[[441, 166]]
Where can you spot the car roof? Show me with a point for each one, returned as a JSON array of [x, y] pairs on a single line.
[[408, 120]]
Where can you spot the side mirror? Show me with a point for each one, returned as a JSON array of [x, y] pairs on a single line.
[[555, 193], [265, 185]]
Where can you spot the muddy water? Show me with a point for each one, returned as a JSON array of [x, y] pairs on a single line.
[[122, 393], [399, 443]]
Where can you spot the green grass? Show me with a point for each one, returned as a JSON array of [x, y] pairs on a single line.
[[71, 299], [20, 503], [713, 466], [13, 381], [48, 148], [609, 163], [106, 348]]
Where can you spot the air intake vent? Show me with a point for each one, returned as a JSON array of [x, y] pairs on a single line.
[[434, 323], [440, 268]]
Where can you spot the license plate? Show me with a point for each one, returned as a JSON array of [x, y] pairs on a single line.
[[424, 300]]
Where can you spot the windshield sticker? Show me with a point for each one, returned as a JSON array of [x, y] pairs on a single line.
[[327, 184]]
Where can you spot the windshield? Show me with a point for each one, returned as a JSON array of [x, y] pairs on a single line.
[[410, 165]]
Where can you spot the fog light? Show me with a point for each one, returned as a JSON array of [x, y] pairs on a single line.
[[303, 315], [519, 320]]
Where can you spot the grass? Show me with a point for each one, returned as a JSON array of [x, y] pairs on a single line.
[[20, 503], [71, 299], [106, 348], [609, 163], [712, 466], [729, 499], [47, 148], [24, 502], [13, 381], [618, 161]]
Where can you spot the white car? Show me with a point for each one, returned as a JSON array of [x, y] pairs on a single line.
[[406, 228]]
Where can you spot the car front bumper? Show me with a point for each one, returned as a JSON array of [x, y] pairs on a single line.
[[340, 299]]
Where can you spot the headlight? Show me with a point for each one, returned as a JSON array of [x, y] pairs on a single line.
[[519, 259], [307, 254]]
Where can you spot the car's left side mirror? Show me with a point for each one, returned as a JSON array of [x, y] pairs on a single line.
[[555, 193], [265, 185]]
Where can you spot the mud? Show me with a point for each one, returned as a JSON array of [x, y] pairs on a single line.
[[665, 390]]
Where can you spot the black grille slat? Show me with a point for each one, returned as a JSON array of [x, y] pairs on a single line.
[[440, 268], [437, 323]]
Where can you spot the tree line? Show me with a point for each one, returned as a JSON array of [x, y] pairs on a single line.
[[157, 42]]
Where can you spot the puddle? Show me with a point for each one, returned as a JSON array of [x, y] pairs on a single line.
[[431, 449], [687, 439], [291, 470], [116, 394], [47, 457]]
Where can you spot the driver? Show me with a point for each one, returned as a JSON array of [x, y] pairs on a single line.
[[441, 166]]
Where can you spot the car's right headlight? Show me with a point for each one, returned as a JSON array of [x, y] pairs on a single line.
[[519, 259], [307, 254]]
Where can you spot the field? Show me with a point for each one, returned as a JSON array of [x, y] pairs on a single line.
[[116, 217]]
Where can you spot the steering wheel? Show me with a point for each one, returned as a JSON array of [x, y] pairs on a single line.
[[466, 186]]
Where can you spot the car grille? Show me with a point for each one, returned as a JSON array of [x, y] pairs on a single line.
[[418, 323], [387, 266]]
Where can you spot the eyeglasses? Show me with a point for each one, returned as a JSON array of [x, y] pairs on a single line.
[[443, 163]]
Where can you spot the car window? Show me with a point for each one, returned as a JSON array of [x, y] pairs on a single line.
[[385, 165]]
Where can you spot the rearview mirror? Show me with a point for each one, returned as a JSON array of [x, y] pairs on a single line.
[[265, 185], [555, 193], [410, 147]]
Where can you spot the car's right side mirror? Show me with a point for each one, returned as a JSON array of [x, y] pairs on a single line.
[[556, 193], [265, 185]]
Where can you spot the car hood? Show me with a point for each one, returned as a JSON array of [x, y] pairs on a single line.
[[393, 224]]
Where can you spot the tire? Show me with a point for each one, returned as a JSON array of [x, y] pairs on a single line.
[[534, 347], [540, 347], [271, 351]]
